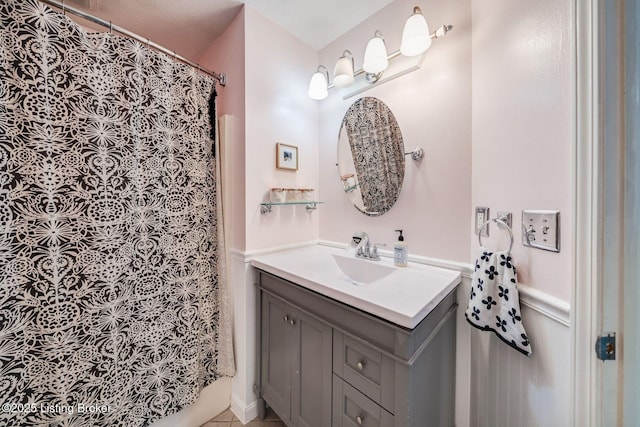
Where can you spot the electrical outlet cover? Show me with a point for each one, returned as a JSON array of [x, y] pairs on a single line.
[[482, 216]]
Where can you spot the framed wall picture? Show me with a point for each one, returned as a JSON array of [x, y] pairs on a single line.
[[286, 157]]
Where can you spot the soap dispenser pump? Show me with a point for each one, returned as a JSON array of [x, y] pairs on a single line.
[[400, 251]]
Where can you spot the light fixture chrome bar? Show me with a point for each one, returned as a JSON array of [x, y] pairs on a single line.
[[440, 32], [220, 77]]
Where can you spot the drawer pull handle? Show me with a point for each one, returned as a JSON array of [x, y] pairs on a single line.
[[286, 318], [292, 322], [360, 365], [359, 419]]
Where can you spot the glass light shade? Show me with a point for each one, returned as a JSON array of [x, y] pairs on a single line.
[[415, 36], [375, 57], [318, 86], [343, 72]]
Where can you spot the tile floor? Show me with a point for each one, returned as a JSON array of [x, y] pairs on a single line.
[[227, 419]]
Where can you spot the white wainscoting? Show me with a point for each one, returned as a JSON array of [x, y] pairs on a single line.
[[495, 385], [506, 388]]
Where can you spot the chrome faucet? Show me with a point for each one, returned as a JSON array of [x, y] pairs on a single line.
[[363, 248], [359, 241]]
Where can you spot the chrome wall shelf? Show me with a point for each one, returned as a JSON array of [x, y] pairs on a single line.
[[265, 208]]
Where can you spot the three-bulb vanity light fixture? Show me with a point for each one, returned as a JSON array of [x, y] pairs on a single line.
[[416, 39]]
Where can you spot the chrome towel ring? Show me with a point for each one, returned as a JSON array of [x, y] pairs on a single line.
[[499, 222]]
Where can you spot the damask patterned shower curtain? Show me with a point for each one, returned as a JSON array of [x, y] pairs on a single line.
[[112, 300]]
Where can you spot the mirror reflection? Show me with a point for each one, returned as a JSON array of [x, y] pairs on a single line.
[[371, 156]]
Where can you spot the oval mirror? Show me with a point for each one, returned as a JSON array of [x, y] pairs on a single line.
[[371, 156]]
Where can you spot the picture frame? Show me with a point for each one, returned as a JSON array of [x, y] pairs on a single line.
[[286, 157]]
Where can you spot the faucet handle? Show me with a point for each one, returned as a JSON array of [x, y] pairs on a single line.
[[374, 250]]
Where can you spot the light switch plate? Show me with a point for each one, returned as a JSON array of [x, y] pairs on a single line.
[[482, 216], [541, 229]]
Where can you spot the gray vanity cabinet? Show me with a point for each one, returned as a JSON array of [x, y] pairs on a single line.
[[324, 363], [296, 364]]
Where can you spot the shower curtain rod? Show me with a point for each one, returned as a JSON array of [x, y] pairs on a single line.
[[220, 77]]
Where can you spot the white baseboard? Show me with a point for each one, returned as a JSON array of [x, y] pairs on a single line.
[[244, 412]]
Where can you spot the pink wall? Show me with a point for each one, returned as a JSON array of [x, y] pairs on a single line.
[[278, 109], [227, 55], [492, 109], [522, 126], [433, 109], [266, 94]]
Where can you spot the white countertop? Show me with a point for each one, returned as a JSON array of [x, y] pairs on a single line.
[[405, 297]]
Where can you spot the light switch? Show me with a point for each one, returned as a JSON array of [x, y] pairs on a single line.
[[541, 230]]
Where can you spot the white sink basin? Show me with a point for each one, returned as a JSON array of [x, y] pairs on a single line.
[[403, 296], [360, 271]]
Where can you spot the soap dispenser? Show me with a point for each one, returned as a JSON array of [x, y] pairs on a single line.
[[400, 251]]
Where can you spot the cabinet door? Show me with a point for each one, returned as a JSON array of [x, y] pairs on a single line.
[[311, 404], [276, 355]]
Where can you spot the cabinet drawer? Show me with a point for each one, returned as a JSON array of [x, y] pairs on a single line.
[[365, 368], [353, 409]]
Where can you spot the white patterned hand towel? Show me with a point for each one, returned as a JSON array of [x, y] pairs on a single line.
[[494, 304]]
